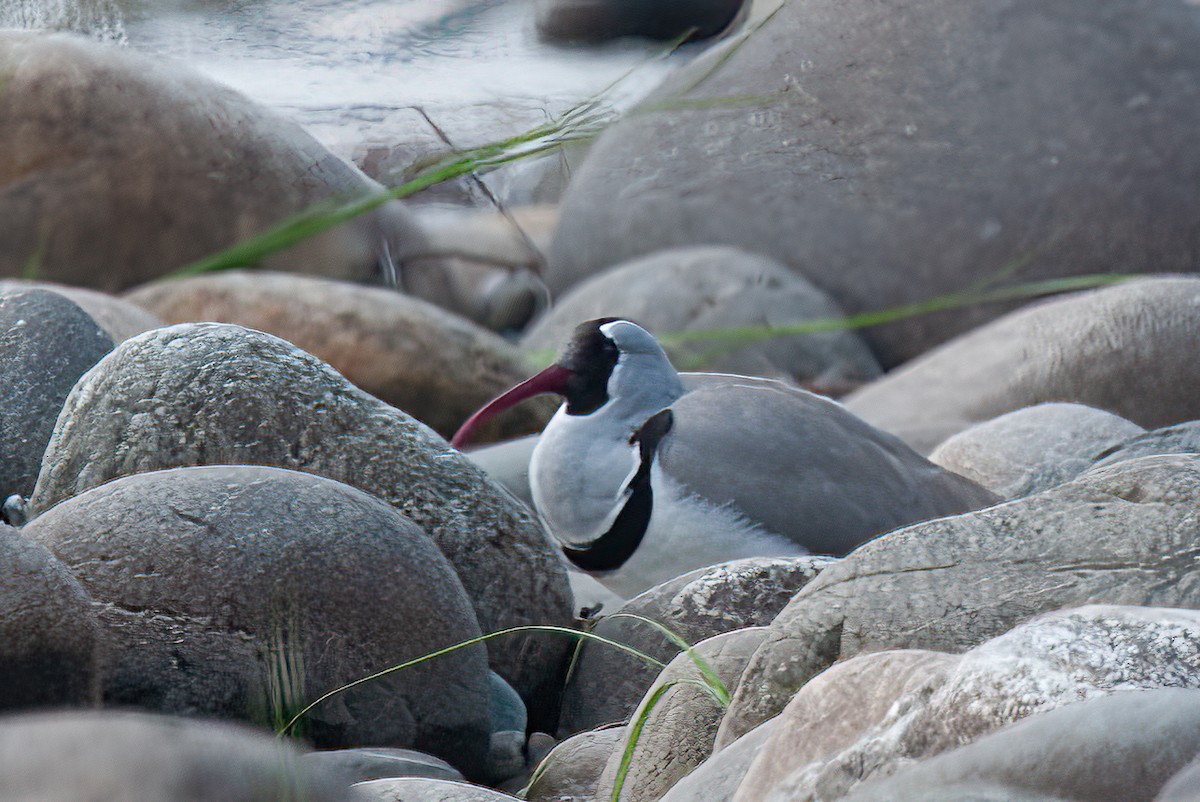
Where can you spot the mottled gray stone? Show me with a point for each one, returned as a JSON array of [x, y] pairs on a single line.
[[46, 343], [713, 287], [572, 770], [899, 151], [594, 21], [1033, 448], [1125, 746], [1181, 439], [197, 394], [433, 365], [951, 583], [120, 168], [349, 766], [246, 592], [138, 757], [51, 652], [695, 606], [717, 779], [118, 318], [421, 789], [1126, 349]]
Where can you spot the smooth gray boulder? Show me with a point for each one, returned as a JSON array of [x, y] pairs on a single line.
[[422, 789], [433, 365], [1124, 746], [118, 318], [246, 592], [141, 757], [694, 606], [1183, 438], [571, 772], [46, 343], [951, 583], [592, 21], [120, 168], [1033, 448], [717, 779], [895, 152], [51, 649], [1184, 786], [702, 288], [1126, 349], [349, 766], [197, 394]]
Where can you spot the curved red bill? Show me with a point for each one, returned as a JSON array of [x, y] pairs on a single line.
[[551, 380]]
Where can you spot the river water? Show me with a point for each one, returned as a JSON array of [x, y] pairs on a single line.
[[345, 68]]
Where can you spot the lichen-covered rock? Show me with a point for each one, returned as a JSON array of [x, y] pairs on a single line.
[[246, 592], [120, 168], [1033, 448], [1122, 534], [695, 606], [204, 394], [46, 343], [418, 358], [138, 756]]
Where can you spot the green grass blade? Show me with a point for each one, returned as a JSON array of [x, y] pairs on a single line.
[[716, 688]]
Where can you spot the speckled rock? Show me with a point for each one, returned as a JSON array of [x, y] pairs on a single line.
[[178, 559], [421, 789], [51, 651], [600, 20], [572, 770], [197, 394], [1125, 746], [695, 606], [46, 343], [120, 168], [117, 317], [681, 725], [888, 176], [1033, 448], [951, 583], [713, 287], [717, 779], [143, 758], [416, 357], [349, 766], [1181, 439], [1125, 349]]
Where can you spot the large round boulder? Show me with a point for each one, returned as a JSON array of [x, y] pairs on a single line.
[[120, 168], [218, 394], [246, 592], [897, 151]]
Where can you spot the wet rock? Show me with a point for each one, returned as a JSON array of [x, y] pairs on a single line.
[[951, 583], [571, 771], [716, 779], [50, 646], [703, 288], [594, 21], [1125, 746], [197, 394], [120, 168], [695, 606], [681, 723], [418, 358], [349, 766], [46, 343], [124, 755], [117, 317], [1125, 349], [245, 592], [420, 789], [1034, 448], [887, 175]]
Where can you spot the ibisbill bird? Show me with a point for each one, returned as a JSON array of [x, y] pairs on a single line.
[[645, 473]]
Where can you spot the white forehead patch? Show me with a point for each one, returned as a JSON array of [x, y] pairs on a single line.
[[630, 337]]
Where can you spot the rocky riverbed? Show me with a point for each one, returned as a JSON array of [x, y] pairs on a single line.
[[232, 507]]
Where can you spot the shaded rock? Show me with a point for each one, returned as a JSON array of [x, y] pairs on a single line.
[[594, 21], [349, 766], [571, 772], [1033, 448], [681, 724], [117, 317], [421, 789], [433, 365], [951, 583], [1184, 786], [352, 587], [695, 606], [46, 343], [197, 394], [713, 287], [887, 176], [507, 722], [137, 756], [1181, 439], [120, 168], [50, 647], [1125, 349], [716, 779], [1125, 746]]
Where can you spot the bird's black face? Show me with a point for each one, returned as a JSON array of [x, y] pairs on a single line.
[[590, 357]]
